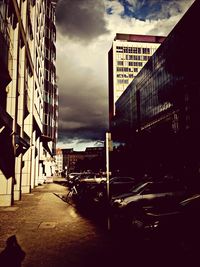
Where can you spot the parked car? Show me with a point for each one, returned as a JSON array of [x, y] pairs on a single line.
[[180, 222], [93, 178], [130, 207], [120, 185], [95, 184], [48, 179], [71, 175]]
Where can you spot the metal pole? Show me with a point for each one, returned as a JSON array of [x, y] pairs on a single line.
[[108, 137]]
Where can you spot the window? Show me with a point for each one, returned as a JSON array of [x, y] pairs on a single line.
[[47, 53], [122, 81], [146, 50], [135, 50], [47, 75], [119, 49], [120, 63]]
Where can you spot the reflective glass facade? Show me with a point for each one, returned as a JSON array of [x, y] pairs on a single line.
[[163, 100], [167, 84]]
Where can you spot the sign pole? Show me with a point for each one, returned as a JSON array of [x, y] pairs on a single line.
[[108, 148]]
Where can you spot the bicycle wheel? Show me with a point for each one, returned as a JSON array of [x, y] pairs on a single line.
[[69, 197]]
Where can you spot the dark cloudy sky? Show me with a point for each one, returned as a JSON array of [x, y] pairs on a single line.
[[85, 31]]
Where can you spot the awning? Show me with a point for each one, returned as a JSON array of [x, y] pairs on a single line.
[[21, 145], [46, 147], [7, 157], [6, 120], [45, 139]]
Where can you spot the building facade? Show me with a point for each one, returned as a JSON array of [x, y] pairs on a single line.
[[26, 156], [127, 56], [158, 114], [59, 162], [71, 158]]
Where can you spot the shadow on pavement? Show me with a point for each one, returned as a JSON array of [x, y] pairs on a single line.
[[12, 255]]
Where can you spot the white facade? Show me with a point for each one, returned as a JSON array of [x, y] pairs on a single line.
[[128, 59], [128, 55], [59, 161], [22, 107]]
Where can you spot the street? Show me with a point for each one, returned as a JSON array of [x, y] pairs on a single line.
[[53, 233]]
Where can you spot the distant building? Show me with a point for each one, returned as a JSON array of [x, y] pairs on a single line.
[[66, 152], [127, 56], [94, 151], [59, 161], [71, 157]]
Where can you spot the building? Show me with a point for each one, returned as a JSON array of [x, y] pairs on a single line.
[[50, 117], [50, 93], [158, 114], [27, 147], [59, 161], [6, 119], [127, 56], [92, 152], [66, 165], [71, 158]]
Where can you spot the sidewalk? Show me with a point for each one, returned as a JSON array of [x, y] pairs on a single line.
[[32, 220], [52, 233], [47, 229]]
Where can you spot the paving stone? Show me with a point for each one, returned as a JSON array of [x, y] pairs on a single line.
[[47, 225], [31, 226], [11, 209]]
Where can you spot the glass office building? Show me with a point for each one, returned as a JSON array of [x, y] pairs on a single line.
[[158, 114]]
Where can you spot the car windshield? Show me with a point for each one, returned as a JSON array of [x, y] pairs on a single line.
[[136, 189], [191, 200], [122, 179]]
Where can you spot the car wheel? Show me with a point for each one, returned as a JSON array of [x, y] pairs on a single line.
[[137, 223]]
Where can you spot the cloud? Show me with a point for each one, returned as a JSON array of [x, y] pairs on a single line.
[[82, 83], [82, 60], [154, 9], [168, 9], [81, 20]]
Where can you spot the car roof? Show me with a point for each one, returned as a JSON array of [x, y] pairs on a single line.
[[191, 199]]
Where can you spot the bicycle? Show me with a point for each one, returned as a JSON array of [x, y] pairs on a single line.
[[72, 195]]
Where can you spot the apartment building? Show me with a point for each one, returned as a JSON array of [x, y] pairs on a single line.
[[27, 146], [127, 56]]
